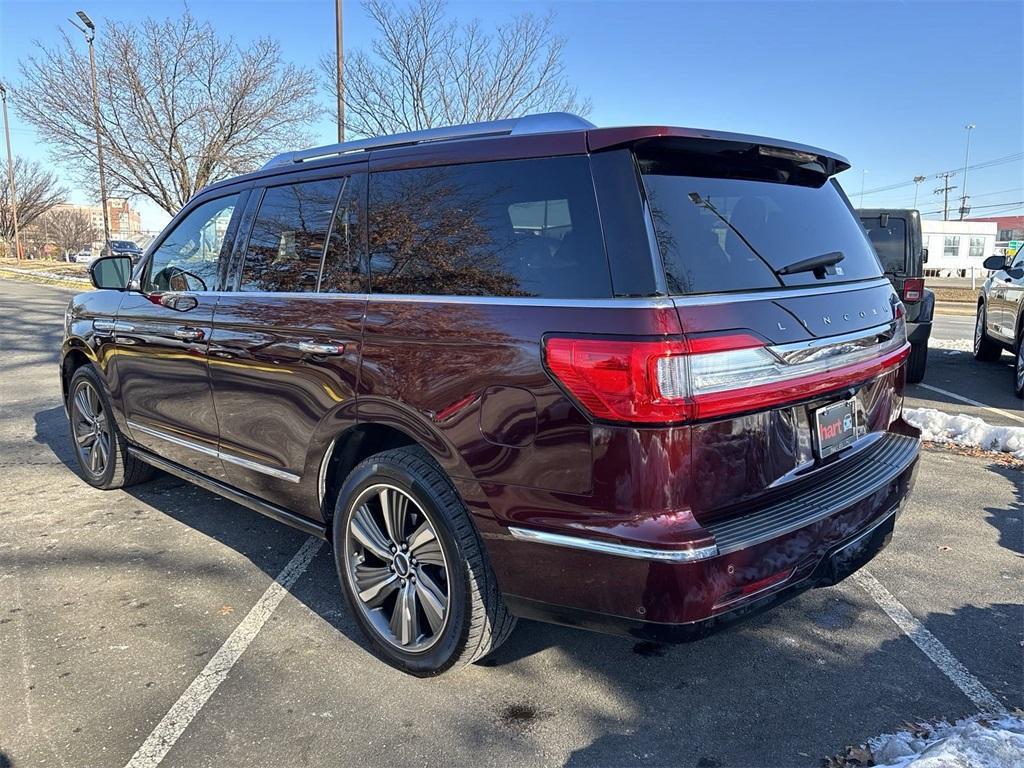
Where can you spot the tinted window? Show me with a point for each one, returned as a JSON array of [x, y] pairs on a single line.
[[890, 242], [289, 237], [344, 265], [755, 227], [515, 228], [187, 258]]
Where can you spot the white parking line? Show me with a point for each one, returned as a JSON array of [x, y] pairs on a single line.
[[177, 719], [930, 645], [968, 400]]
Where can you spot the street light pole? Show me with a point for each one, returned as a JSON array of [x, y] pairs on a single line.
[[863, 173], [917, 187], [341, 72], [90, 33], [10, 175], [967, 154]]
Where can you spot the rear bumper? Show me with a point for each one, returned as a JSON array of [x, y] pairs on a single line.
[[759, 559]]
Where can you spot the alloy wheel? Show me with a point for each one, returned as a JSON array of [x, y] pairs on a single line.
[[396, 568], [91, 428]]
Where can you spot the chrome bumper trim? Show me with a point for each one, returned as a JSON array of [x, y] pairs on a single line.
[[618, 550]]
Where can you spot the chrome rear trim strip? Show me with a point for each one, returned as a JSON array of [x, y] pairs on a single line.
[[199, 448], [847, 344], [618, 550]]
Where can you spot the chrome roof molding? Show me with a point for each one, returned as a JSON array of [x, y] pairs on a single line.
[[548, 122]]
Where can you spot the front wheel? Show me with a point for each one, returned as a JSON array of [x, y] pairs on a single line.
[[985, 349], [412, 566], [100, 448]]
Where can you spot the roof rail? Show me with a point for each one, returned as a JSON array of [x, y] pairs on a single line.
[[548, 122]]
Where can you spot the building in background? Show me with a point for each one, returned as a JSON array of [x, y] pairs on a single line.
[[1009, 232], [125, 222], [956, 248]]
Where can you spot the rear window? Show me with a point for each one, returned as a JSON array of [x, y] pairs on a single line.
[[890, 241], [510, 228], [733, 234]]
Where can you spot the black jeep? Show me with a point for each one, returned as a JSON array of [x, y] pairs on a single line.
[[896, 235]]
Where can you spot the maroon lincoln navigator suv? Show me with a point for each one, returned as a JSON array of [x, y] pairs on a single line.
[[643, 380]]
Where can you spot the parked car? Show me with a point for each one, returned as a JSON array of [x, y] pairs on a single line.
[[122, 248], [1000, 319], [645, 380], [895, 234], [83, 256]]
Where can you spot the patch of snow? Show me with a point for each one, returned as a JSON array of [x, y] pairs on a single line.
[[976, 742], [967, 431], [952, 345]]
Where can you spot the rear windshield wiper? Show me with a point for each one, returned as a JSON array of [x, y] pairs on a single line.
[[816, 264], [696, 199]]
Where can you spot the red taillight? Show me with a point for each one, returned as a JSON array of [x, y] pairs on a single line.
[[913, 289], [683, 379]]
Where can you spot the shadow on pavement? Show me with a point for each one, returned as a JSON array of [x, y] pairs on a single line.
[[784, 688], [1009, 522]]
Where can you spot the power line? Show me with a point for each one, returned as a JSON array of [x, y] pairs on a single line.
[[1015, 157], [978, 207]]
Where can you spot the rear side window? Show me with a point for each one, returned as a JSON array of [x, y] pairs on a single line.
[[736, 234], [890, 241], [289, 237], [510, 228]]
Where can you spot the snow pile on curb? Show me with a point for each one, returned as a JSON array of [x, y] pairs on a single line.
[[966, 431], [951, 345], [976, 742]]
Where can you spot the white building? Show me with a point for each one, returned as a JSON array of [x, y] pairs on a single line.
[[954, 247]]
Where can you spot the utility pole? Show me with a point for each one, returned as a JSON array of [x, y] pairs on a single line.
[[90, 34], [917, 187], [341, 72], [944, 190], [10, 175], [964, 208]]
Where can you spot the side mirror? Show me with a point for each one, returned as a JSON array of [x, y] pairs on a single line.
[[111, 272], [924, 255], [994, 263]]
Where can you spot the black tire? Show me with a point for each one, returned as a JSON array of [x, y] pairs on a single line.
[[119, 468], [1018, 366], [477, 620], [916, 362], [985, 348]]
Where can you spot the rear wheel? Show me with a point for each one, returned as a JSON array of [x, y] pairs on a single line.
[[412, 566], [916, 362], [101, 450], [985, 349]]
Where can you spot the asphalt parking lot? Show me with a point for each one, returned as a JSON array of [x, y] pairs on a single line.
[[112, 604]]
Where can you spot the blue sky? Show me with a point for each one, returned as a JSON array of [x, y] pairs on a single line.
[[889, 85]]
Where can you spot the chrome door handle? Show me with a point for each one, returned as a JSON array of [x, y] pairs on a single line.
[[321, 348], [188, 334]]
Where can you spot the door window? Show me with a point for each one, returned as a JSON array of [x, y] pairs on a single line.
[[188, 258], [289, 237], [509, 228], [344, 263]]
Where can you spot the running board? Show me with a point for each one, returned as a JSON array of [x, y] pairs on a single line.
[[304, 524]]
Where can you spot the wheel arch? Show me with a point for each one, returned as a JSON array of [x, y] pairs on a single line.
[[382, 425], [74, 354]]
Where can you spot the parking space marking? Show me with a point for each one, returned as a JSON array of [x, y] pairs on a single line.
[[169, 729], [975, 403], [930, 645]]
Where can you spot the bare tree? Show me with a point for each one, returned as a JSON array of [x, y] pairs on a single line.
[[180, 106], [425, 70], [70, 229], [37, 191]]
